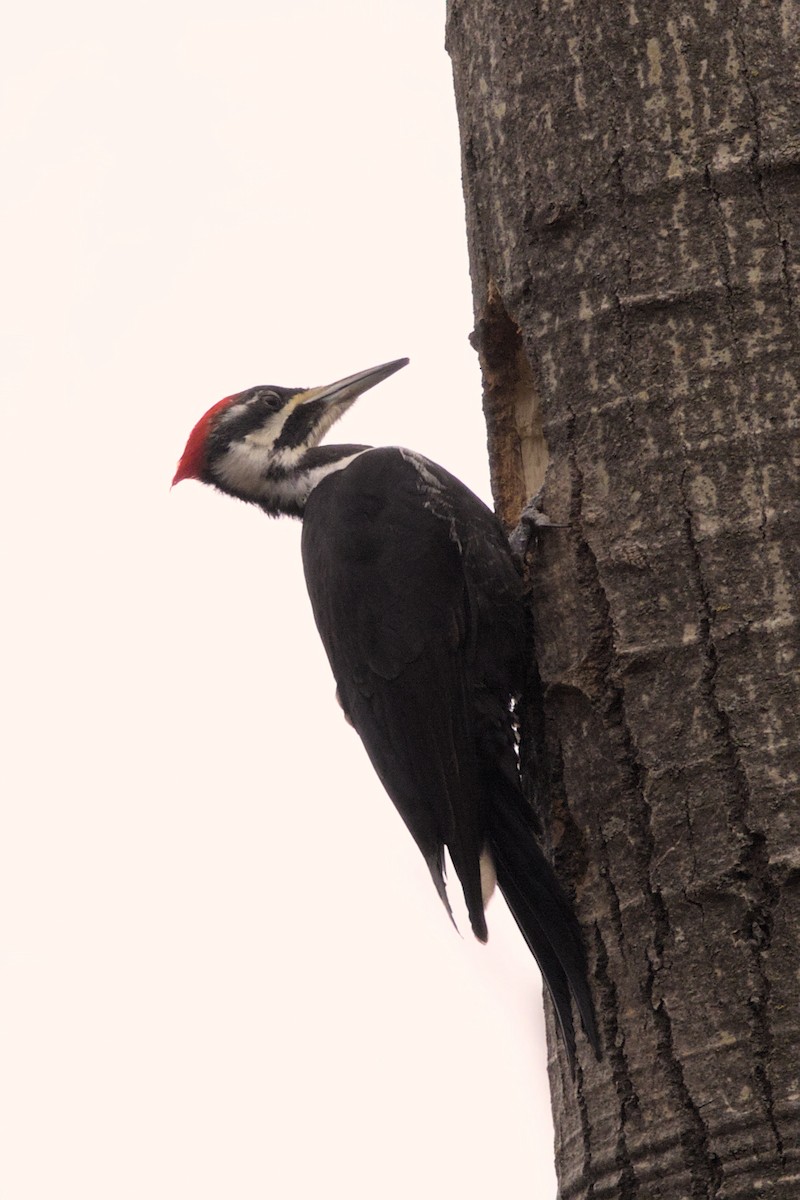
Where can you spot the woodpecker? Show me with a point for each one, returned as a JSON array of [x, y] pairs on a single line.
[[419, 604]]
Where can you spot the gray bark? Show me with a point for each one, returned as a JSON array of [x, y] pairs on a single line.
[[632, 184]]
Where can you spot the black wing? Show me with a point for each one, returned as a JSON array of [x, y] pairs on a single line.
[[419, 606], [401, 622]]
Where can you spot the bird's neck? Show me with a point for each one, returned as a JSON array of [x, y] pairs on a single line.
[[280, 486]]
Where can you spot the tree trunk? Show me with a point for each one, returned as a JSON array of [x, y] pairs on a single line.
[[632, 182]]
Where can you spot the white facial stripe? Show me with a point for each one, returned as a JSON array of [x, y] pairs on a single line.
[[327, 419], [488, 876], [270, 431], [288, 489], [241, 469]]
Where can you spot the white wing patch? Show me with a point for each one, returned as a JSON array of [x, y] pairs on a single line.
[[420, 465], [435, 493], [488, 877]]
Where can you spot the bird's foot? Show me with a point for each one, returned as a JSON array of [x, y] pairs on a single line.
[[531, 520]]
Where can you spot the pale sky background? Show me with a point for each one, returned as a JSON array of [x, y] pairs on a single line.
[[225, 970]]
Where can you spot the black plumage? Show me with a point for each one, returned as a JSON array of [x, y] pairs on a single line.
[[420, 607]]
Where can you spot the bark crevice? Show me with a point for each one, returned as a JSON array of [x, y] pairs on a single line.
[[614, 1042], [753, 872]]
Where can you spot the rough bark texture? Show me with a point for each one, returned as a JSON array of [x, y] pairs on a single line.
[[632, 181]]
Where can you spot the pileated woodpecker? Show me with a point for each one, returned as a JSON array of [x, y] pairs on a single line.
[[419, 604]]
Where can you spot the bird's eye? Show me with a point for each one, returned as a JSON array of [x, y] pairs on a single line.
[[268, 398]]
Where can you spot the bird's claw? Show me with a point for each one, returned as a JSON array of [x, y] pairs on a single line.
[[530, 521]]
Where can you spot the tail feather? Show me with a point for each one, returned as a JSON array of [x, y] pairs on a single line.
[[549, 964], [477, 918], [546, 920]]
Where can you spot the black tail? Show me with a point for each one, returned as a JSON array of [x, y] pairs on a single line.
[[545, 918]]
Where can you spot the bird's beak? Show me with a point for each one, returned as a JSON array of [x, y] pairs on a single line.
[[340, 395]]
